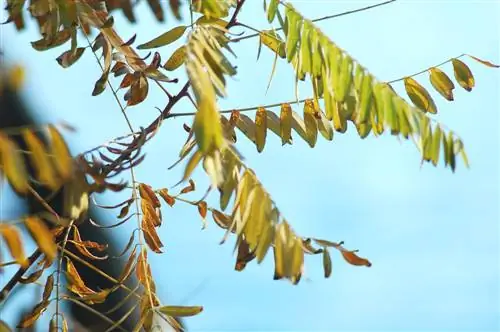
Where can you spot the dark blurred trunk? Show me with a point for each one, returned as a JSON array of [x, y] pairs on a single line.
[[13, 113]]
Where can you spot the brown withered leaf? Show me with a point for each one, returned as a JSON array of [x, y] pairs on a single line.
[[222, 220], [152, 239], [147, 193], [138, 89], [352, 258], [244, 255], [175, 8], [33, 316], [157, 9], [129, 266], [150, 213], [32, 277], [191, 187], [166, 197], [42, 236], [49, 285], [13, 241], [83, 246], [68, 58]]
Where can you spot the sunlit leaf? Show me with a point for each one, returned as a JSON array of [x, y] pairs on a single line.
[[463, 75], [41, 160], [176, 59], [12, 239], [285, 123], [419, 96], [260, 128], [352, 258], [42, 236], [165, 38], [442, 83], [60, 152], [180, 311], [12, 165], [273, 41]]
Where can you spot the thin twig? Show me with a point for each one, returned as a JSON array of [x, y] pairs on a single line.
[[426, 70], [321, 18]]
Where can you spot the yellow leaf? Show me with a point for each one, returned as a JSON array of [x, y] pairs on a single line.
[[176, 59], [285, 123], [4, 327], [12, 165], [191, 165], [436, 144], [310, 123], [463, 75], [260, 128], [180, 311], [442, 83], [13, 241], [42, 236], [60, 153], [344, 81], [366, 98], [273, 41], [40, 160], [324, 126], [165, 38], [419, 96]]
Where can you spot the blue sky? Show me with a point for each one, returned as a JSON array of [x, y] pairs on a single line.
[[432, 236]]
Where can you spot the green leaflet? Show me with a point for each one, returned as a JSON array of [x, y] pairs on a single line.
[[293, 33], [305, 47], [316, 62], [165, 38], [271, 10], [463, 75], [436, 144], [366, 96], [343, 84]]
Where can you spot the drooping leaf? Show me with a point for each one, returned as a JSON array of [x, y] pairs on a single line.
[[327, 263], [42, 236], [463, 75], [260, 128], [442, 83], [12, 165], [12, 238], [419, 96], [484, 62], [68, 58], [271, 10], [33, 316], [352, 258], [41, 160], [273, 41], [285, 123], [60, 152]]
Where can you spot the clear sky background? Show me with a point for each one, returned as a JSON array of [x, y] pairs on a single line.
[[432, 236]]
